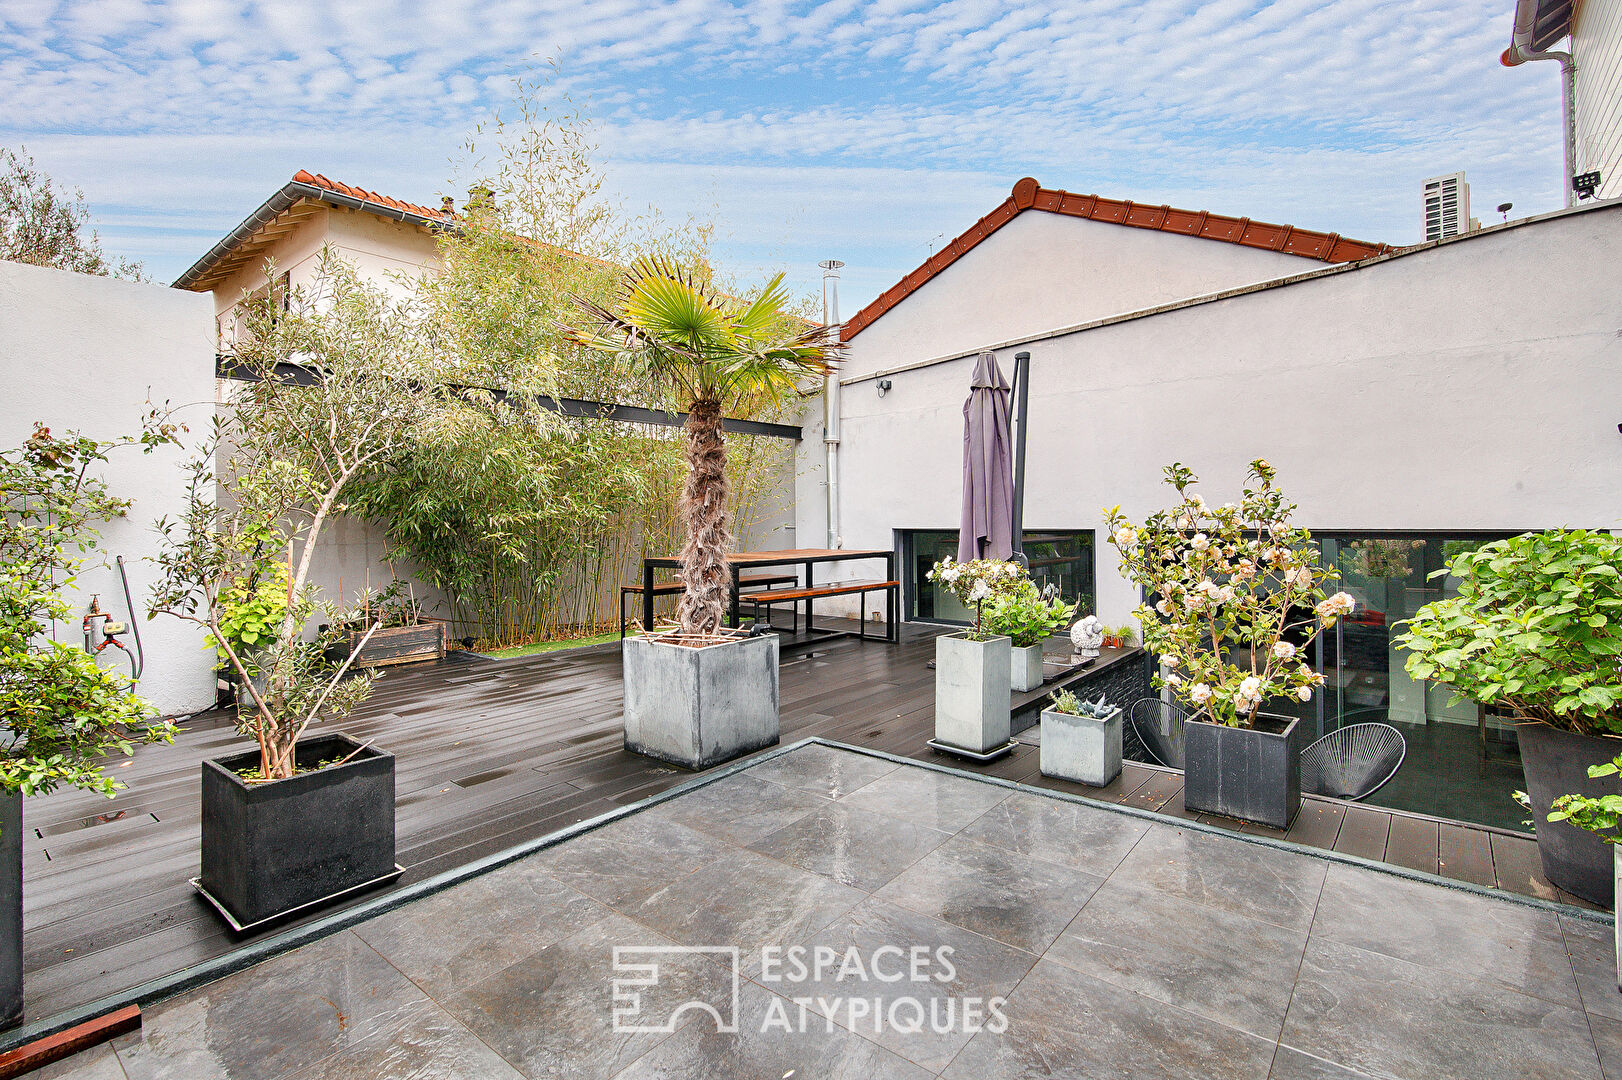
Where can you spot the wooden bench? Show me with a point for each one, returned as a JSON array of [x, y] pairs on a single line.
[[670, 588], [891, 590]]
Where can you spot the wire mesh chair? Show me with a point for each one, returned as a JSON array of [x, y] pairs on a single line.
[[1159, 727], [1353, 762]]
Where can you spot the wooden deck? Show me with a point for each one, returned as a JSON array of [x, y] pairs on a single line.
[[491, 753]]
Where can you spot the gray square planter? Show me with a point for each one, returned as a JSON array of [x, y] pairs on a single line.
[[1025, 669], [1253, 774], [700, 707], [973, 694], [1080, 748]]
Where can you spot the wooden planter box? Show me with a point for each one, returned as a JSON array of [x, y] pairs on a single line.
[[401, 644]]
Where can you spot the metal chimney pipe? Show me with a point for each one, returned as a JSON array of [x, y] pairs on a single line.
[[830, 425]]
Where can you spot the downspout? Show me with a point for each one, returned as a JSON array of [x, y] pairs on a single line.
[[1520, 51], [830, 427], [1022, 404]]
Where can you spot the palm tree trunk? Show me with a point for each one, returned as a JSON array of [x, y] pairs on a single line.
[[704, 569]]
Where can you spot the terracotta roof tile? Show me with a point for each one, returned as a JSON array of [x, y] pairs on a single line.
[[317, 180], [1029, 195]]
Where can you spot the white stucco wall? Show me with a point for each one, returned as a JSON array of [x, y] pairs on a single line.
[[1596, 47], [85, 354], [1042, 271], [1466, 385]]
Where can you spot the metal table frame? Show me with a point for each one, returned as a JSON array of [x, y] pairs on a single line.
[[806, 559]]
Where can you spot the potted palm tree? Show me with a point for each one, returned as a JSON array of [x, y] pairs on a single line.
[[1238, 599], [1534, 630], [700, 693], [64, 714]]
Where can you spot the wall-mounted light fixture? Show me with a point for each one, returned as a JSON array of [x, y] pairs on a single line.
[[884, 386]]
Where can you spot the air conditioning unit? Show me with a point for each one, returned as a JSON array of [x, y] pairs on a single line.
[[1447, 206]]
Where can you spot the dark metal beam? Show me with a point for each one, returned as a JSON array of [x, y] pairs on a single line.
[[226, 367]]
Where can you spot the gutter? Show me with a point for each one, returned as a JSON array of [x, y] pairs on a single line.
[[292, 193], [1521, 51]]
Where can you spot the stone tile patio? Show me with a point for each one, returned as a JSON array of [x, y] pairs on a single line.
[[1110, 945]]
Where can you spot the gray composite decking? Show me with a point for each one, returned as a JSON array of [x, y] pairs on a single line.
[[492, 753]]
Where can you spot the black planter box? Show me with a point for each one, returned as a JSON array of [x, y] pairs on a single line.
[[272, 848], [11, 908], [1253, 774], [1556, 763]]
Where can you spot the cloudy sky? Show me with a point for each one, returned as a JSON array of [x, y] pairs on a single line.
[[867, 130]]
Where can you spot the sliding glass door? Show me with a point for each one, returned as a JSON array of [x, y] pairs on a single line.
[[1062, 558]]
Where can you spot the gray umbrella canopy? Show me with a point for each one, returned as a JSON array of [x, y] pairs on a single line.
[[986, 529]]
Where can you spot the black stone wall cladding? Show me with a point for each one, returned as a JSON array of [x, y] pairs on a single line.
[[1122, 684]]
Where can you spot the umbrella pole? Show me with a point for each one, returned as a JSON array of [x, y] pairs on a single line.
[[1022, 378]]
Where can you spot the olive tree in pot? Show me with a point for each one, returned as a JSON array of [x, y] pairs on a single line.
[[336, 386], [699, 694], [974, 667], [1238, 597], [62, 713], [1028, 616], [1536, 629]]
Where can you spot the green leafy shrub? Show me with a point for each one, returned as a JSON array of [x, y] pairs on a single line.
[[1536, 628], [1598, 816], [1027, 614], [976, 582]]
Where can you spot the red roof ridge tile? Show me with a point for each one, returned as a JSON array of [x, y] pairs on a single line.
[[1203, 224], [304, 176]]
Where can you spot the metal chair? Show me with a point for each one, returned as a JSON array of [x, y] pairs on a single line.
[[1159, 727], [1353, 762]]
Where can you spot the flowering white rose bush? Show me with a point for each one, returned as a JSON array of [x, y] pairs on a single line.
[[978, 581], [1229, 583]]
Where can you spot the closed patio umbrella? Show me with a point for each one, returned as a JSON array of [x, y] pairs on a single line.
[[986, 529]]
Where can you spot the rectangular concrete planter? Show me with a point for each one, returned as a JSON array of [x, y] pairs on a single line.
[[1025, 670], [700, 707], [973, 692], [11, 908], [1080, 748], [271, 848], [1253, 774]]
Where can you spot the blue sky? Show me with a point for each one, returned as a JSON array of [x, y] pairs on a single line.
[[866, 130]]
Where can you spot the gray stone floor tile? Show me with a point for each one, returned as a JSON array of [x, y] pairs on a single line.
[[739, 809], [976, 968], [931, 799], [1279, 887], [1067, 1026], [1473, 935], [860, 848], [1004, 895], [96, 1063], [1387, 1017], [429, 1045], [451, 940], [1608, 1041], [745, 900], [625, 860], [1592, 948], [762, 1048], [1070, 834], [1224, 967], [281, 1016], [551, 1014], [822, 770], [1291, 1064]]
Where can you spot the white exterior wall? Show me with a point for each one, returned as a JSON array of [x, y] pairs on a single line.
[[1044, 270], [1467, 385], [85, 354], [1596, 47]]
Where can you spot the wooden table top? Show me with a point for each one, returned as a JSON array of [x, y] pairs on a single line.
[[789, 555]]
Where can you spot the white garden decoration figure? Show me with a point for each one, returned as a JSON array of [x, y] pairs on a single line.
[[1239, 596], [1087, 637]]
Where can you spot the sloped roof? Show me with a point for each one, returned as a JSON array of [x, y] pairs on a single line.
[[296, 199], [1029, 195]]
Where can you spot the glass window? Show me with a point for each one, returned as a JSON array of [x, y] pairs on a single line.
[[1059, 557]]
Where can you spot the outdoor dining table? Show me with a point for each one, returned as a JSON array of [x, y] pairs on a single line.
[[806, 558]]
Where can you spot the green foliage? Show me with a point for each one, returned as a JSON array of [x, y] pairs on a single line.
[[63, 712], [978, 582], [1227, 580], [1598, 816], [45, 226], [1027, 614], [1536, 628], [250, 615], [1065, 701]]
